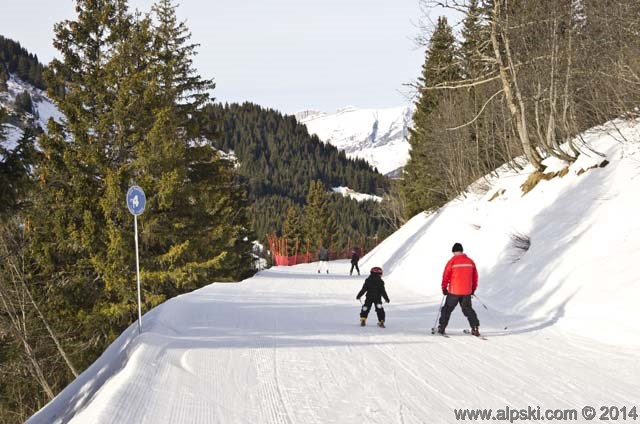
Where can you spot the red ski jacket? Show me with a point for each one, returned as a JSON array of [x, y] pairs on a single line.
[[460, 275]]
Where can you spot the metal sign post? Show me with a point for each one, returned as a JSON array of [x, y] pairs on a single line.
[[136, 202]]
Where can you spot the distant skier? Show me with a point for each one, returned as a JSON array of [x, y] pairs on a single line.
[[323, 257], [355, 257], [374, 288], [459, 283]]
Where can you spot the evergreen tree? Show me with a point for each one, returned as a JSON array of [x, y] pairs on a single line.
[[16, 60], [475, 48], [424, 175], [3, 79], [292, 228], [476, 52], [72, 228], [132, 102], [318, 218], [15, 164], [23, 102]]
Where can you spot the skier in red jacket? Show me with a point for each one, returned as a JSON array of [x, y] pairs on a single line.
[[459, 283]]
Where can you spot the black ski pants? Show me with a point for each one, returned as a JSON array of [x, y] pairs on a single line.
[[354, 264], [364, 312], [465, 303]]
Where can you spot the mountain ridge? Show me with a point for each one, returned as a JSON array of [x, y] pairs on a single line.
[[377, 135]]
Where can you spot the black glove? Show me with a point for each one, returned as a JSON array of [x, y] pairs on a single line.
[[445, 292], [388, 300], [357, 298]]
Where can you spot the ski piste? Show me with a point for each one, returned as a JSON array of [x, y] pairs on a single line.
[[247, 353]]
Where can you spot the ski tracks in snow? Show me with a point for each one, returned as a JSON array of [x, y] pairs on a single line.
[[285, 347]]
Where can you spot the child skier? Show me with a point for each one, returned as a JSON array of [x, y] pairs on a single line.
[[374, 288]]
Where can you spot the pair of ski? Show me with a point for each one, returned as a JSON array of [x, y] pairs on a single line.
[[379, 324], [465, 331]]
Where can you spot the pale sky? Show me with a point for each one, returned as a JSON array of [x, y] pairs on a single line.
[[289, 55]]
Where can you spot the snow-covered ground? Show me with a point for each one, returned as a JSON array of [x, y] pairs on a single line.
[[352, 194], [11, 136], [561, 320], [375, 135], [43, 109]]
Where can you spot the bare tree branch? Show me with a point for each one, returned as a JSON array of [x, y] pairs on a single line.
[[479, 113]]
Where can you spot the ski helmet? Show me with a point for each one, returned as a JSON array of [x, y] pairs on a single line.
[[376, 270]]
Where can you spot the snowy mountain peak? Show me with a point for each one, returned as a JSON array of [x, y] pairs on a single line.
[[378, 136], [308, 114]]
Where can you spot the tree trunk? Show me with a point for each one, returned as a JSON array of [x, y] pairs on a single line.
[[509, 80]]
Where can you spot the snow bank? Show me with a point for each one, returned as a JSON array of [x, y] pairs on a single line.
[[584, 235]]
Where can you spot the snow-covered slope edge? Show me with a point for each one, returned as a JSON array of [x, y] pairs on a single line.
[[375, 135], [581, 267], [120, 354]]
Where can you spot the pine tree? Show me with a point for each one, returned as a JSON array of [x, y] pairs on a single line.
[[212, 197], [71, 228], [3, 79], [317, 216], [424, 183], [23, 102], [15, 170], [475, 48], [132, 103], [476, 62], [292, 229]]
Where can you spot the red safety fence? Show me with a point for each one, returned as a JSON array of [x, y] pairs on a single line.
[[279, 248]]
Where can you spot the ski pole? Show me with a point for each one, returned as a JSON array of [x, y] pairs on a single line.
[[485, 307], [478, 299], [438, 316]]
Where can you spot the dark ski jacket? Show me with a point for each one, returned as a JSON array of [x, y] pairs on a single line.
[[323, 255], [355, 257], [374, 288]]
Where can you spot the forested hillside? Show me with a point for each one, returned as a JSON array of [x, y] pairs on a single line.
[[280, 159], [518, 78], [14, 59]]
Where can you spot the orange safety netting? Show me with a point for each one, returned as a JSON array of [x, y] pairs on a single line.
[[280, 251]]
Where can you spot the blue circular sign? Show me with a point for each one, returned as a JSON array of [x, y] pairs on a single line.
[[136, 200]]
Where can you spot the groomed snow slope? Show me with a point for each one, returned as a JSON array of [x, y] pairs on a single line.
[[285, 345]]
